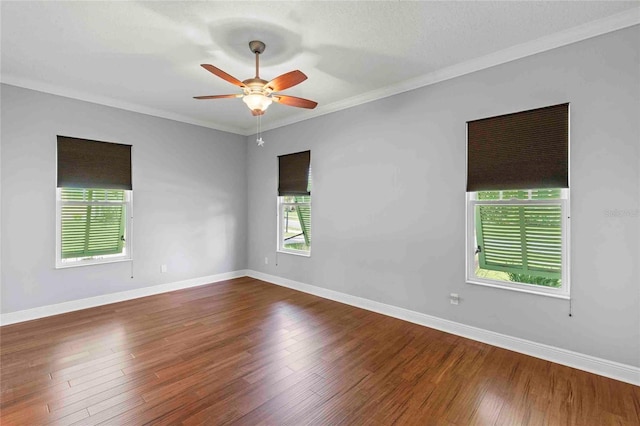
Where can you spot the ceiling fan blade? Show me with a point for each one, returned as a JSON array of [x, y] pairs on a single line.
[[295, 102], [223, 75], [285, 81], [217, 97]]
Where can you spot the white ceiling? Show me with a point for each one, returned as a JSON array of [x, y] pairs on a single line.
[[145, 56]]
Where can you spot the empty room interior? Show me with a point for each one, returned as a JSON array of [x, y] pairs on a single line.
[[292, 213]]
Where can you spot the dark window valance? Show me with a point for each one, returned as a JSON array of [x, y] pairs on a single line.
[[293, 173], [85, 163], [523, 150]]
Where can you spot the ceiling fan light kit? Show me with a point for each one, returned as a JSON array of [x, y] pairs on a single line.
[[258, 94], [257, 102]]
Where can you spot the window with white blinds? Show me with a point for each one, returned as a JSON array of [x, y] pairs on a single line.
[[93, 202], [294, 203], [518, 239], [518, 201], [294, 224], [93, 222], [93, 225]]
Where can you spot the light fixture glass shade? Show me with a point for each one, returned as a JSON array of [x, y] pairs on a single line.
[[257, 102]]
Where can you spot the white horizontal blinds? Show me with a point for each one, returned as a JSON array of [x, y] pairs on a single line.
[[293, 174], [92, 164], [528, 149], [92, 222]]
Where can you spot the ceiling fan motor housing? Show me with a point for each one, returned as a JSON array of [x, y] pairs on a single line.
[[255, 85], [256, 46]]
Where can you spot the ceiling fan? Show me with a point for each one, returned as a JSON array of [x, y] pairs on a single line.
[[258, 94]]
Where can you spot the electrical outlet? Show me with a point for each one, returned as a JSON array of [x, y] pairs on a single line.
[[454, 298], [266, 260], [163, 268]]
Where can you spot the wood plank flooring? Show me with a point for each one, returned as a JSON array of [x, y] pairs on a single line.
[[245, 352]]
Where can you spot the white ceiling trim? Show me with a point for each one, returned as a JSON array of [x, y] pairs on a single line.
[[106, 101], [563, 38]]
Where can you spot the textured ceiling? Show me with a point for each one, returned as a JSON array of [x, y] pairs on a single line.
[[145, 56]]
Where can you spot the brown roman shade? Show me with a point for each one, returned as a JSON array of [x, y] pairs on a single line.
[[91, 164], [523, 150], [293, 173]]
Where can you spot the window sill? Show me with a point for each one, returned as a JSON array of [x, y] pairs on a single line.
[[295, 253], [521, 290], [91, 262]]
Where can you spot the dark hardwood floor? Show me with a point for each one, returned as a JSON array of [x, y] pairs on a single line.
[[247, 352]]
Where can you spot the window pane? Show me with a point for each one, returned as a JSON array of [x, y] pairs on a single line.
[[296, 227], [499, 236], [512, 277], [515, 194], [519, 243], [92, 230], [82, 194], [488, 195], [542, 194], [296, 199], [74, 230]]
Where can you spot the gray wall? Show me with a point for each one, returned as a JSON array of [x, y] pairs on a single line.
[[389, 197], [189, 199]]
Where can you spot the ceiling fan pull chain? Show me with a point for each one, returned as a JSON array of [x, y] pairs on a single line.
[[259, 141]]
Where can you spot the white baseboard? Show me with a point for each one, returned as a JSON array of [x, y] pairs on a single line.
[[602, 367], [76, 305]]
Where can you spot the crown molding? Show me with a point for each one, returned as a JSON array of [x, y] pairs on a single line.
[[38, 86], [572, 35], [585, 31]]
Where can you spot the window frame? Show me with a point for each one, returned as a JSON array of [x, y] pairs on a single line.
[[280, 217], [471, 244], [127, 254]]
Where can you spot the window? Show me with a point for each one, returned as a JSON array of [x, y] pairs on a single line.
[[294, 224], [93, 202], [93, 225], [519, 239], [294, 203]]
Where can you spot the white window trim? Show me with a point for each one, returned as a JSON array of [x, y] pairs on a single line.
[[471, 278], [280, 242], [95, 260]]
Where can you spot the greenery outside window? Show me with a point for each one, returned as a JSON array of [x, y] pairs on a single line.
[[93, 226], [294, 224], [518, 239]]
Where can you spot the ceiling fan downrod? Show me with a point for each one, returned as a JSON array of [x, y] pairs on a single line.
[[257, 47]]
